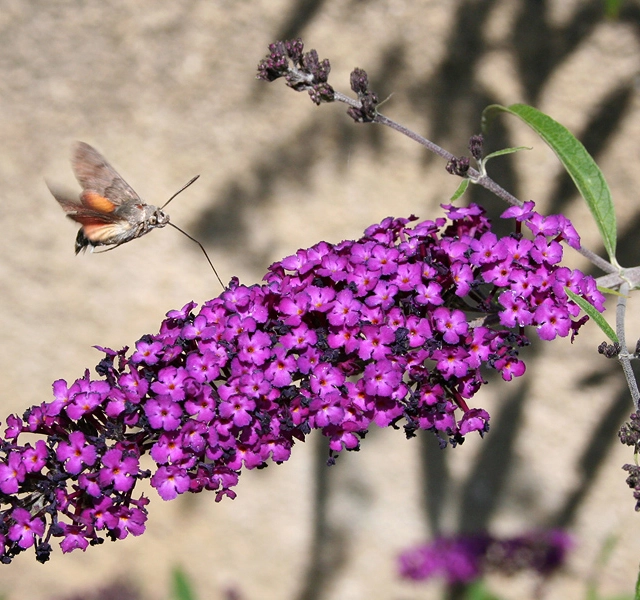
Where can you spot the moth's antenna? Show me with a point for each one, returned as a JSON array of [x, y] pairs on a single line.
[[196, 241], [182, 189]]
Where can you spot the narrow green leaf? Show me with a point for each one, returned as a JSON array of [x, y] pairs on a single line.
[[181, 585], [594, 314], [479, 591], [612, 8], [578, 163], [505, 151], [606, 290], [462, 188]]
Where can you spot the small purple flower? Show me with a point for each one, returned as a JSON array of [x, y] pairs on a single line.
[[520, 213], [238, 409], [429, 294], [163, 413], [133, 385], [202, 406], [101, 514], [203, 367], [383, 259], [383, 295], [88, 399], [463, 278], [346, 310], [320, 299], [406, 276], [485, 250], [76, 453], [333, 267], [254, 349], [376, 342], [118, 470], [130, 521], [183, 313], [170, 383], [474, 420], [25, 528], [452, 324], [452, 362], [75, 537], [515, 311], [281, 368], [552, 321], [510, 367], [199, 329], [324, 379], [299, 338], [12, 473], [327, 410], [62, 397], [170, 481], [147, 353], [35, 459], [294, 308], [382, 378], [168, 449]]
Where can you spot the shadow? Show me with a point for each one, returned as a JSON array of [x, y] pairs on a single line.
[[445, 98], [539, 46], [301, 14], [596, 450], [224, 224], [328, 548], [628, 247], [483, 490], [436, 481]]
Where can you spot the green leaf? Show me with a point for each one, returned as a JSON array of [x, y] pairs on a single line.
[[478, 591], [606, 290], [612, 8], [462, 188], [505, 151], [593, 314], [576, 160], [181, 586]]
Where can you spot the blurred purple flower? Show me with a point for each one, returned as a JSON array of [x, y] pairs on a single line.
[[463, 559]]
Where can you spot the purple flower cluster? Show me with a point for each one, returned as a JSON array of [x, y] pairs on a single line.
[[392, 328], [464, 559]]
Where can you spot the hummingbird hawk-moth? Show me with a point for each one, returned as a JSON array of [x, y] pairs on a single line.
[[109, 210]]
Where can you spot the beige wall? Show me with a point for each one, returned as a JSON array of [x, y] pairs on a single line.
[[166, 90]]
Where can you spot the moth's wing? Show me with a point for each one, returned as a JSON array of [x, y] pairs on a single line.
[[99, 179], [64, 199], [91, 204], [99, 223]]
